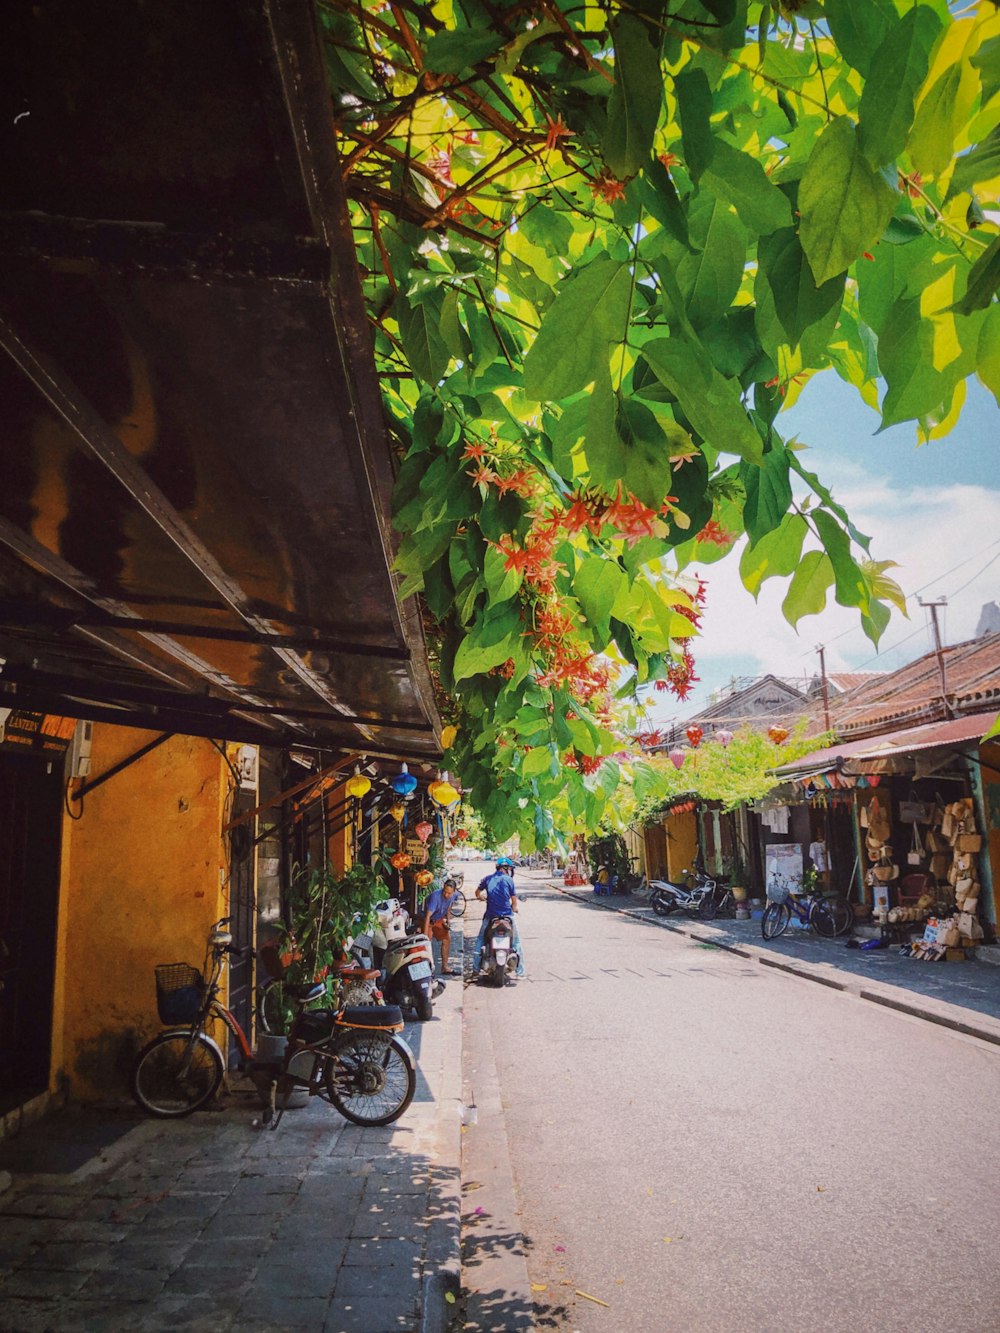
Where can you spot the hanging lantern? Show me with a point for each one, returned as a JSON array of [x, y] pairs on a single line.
[[461, 834], [777, 734], [443, 793], [404, 782], [676, 757], [400, 860], [397, 811], [448, 735], [423, 830], [423, 878], [723, 737], [694, 734], [358, 785]]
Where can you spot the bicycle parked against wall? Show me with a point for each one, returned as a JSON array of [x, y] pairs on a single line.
[[827, 914], [351, 1056]]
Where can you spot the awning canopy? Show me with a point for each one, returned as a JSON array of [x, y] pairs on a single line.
[[195, 472], [891, 752]]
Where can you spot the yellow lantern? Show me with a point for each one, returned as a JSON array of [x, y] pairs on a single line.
[[448, 735], [397, 811], [443, 793], [358, 785]]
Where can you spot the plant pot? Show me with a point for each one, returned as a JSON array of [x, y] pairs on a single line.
[[743, 913], [739, 893]]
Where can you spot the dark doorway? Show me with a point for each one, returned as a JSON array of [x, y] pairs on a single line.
[[242, 910], [30, 834]]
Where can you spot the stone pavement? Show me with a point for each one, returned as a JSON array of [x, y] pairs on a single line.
[[208, 1224], [964, 996]]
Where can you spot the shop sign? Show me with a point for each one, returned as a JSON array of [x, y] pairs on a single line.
[[416, 851], [35, 733]]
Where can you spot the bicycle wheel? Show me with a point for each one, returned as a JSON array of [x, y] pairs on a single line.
[[709, 906], [275, 1010], [775, 920], [176, 1073], [831, 916], [370, 1077], [457, 903]]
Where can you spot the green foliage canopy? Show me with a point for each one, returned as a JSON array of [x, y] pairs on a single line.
[[602, 246]]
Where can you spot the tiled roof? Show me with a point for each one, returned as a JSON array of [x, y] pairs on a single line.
[[913, 695]]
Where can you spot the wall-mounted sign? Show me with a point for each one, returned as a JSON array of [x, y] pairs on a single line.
[[37, 733], [416, 851]]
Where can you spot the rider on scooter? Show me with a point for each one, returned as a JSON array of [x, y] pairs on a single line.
[[501, 900]]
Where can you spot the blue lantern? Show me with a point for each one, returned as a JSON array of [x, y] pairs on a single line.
[[404, 783]]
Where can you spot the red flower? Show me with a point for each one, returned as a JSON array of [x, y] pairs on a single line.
[[556, 129], [718, 536], [516, 557], [475, 452], [483, 476], [607, 187]]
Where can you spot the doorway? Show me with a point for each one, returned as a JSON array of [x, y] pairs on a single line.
[[30, 835]]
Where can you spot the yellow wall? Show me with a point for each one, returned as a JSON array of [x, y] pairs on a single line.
[[142, 883], [682, 844]]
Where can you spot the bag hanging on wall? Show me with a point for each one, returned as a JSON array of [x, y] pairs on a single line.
[[863, 817], [969, 842], [913, 812], [886, 873], [916, 853], [947, 824]]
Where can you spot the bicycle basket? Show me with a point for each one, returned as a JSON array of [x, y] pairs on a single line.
[[778, 893], [179, 990]]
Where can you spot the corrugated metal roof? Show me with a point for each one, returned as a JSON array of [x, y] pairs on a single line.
[[955, 732]]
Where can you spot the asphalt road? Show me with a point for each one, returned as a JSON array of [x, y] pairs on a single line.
[[703, 1145]]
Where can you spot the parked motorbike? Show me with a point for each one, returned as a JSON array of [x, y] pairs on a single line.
[[499, 958], [696, 897], [404, 956]]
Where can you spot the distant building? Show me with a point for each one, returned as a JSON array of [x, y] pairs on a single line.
[[989, 620]]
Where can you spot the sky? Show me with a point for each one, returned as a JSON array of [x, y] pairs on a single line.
[[933, 508]]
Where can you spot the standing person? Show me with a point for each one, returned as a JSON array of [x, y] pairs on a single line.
[[500, 896], [437, 911]]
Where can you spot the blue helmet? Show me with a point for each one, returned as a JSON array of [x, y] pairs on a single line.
[[504, 861]]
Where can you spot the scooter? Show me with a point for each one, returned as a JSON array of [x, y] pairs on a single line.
[[499, 957], [404, 956], [695, 900]]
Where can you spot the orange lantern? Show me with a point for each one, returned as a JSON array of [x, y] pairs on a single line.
[[460, 835], [401, 860], [777, 734], [423, 878]]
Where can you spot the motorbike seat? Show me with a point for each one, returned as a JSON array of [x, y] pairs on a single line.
[[306, 992], [352, 972]]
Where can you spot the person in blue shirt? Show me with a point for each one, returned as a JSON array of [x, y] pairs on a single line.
[[437, 910], [501, 900]]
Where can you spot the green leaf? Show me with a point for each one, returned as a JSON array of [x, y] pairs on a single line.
[[981, 163], [547, 227], [711, 403], [776, 554], [799, 304], [875, 621], [740, 180], [501, 583], [597, 584], [859, 28], [988, 352], [709, 277], [636, 98], [452, 52], [844, 203], [941, 116], [768, 494], [420, 333], [644, 455], [851, 585], [806, 594], [994, 729], [983, 282], [572, 344], [474, 657], [826, 496], [539, 760], [898, 71], [694, 106], [660, 199]]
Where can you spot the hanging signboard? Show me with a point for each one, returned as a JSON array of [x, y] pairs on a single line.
[[35, 733], [416, 851]]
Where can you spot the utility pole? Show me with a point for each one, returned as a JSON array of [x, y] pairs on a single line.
[[821, 649], [932, 607]]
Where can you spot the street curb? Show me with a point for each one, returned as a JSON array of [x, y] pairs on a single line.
[[443, 1251], [940, 1012]]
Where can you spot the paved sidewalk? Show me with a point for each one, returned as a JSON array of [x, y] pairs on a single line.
[[963, 996], [210, 1224]]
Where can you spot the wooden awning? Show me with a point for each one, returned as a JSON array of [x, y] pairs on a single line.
[[194, 466]]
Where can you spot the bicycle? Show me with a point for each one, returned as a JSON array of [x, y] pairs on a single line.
[[828, 916], [348, 985], [355, 1060], [719, 901]]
